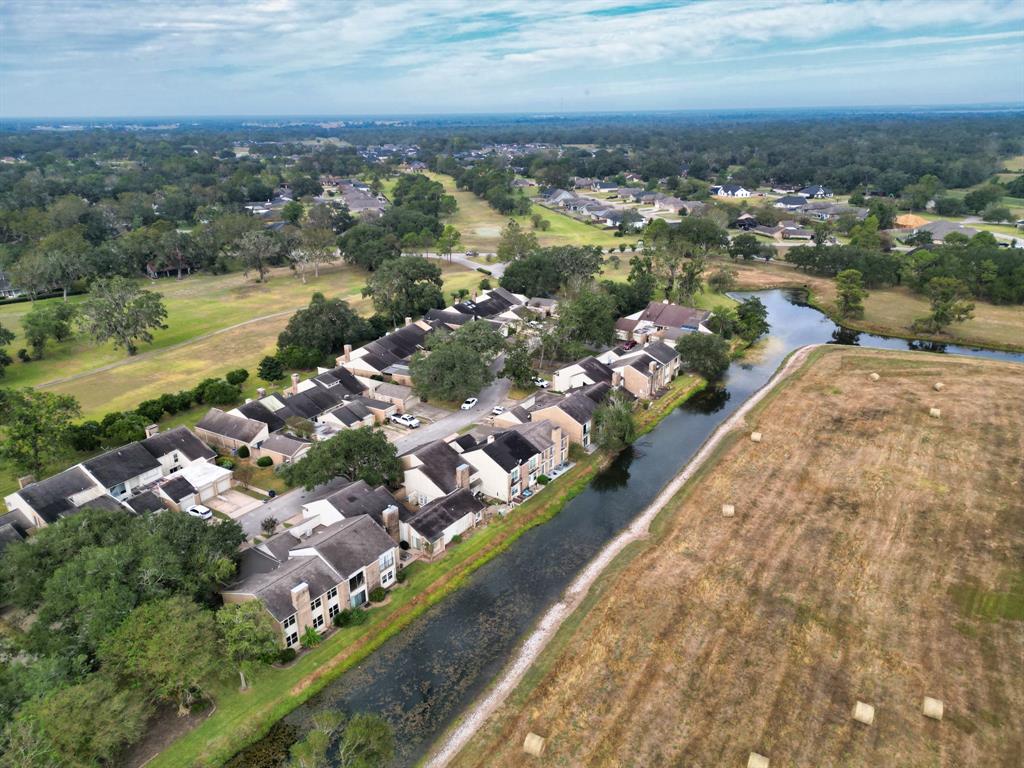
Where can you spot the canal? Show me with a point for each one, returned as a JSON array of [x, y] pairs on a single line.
[[424, 677]]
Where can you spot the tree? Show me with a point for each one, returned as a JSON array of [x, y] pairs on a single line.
[[722, 280], [118, 309], [292, 212], [175, 250], [449, 241], [311, 751], [36, 425], [270, 369], [703, 232], [6, 337], [481, 337], [368, 246], [996, 212], [248, 634], [454, 368], [358, 454], [536, 274], [268, 525], [576, 265], [948, 299], [705, 353], [614, 425], [746, 246], [405, 287], [169, 646], [850, 293], [316, 246], [752, 319], [367, 742], [47, 321], [691, 279], [518, 365], [865, 235], [256, 251], [65, 257], [516, 242], [587, 319], [80, 726], [324, 328]]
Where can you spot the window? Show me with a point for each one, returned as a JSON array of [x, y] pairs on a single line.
[[332, 593], [333, 610], [514, 490], [289, 622], [387, 559], [386, 577], [356, 582], [292, 638], [514, 475], [314, 605], [318, 621], [533, 462]]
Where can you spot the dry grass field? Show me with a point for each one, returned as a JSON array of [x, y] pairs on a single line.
[[876, 554]]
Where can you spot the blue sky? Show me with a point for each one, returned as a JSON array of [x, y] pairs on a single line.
[[274, 57]]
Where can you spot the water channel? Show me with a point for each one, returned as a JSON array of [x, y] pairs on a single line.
[[424, 677]]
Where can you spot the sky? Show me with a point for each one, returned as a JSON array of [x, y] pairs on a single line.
[[131, 58]]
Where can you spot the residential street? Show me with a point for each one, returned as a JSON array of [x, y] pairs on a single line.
[[285, 506], [497, 268], [489, 396]]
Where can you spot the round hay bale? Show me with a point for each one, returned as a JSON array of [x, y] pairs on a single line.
[[534, 744], [938, 386], [934, 413], [932, 708], [863, 713], [757, 761], [728, 510], [874, 377], [755, 437]]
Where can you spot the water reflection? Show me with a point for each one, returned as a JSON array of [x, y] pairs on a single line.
[[421, 679]]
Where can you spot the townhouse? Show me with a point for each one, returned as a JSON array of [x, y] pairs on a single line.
[[662, 320], [649, 370], [431, 528], [509, 463]]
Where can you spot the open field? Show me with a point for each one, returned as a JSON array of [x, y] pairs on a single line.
[[890, 310], [481, 225], [875, 555], [215, 323]]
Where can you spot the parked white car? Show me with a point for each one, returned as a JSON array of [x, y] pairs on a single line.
[[203, 513], [469, 403], [542, 383], [497, 410], [405, 420]]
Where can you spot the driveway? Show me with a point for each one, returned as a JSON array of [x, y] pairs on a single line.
[[234, 504], [489, 397], [285, 506]]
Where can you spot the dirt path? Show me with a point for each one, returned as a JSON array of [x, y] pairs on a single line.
[[163, 350], [551, 621]]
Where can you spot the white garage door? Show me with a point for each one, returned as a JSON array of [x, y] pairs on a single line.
[[224, 485]]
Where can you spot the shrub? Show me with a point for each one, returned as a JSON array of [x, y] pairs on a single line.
[[401, 577], [151, 410], [403, 545], [299, 357], [120, 428], [237, 376], [169, 403], [378, 595], [264, 461], [543, 479], [485, 285], [483, 271], [218, 392], [343, 618], [310, 638], [268, 525], [270, 369], [359, 616], [243, 451], [23, 355], [272, 750], [87, 436], [185, 399], [286, 655], [457, 538], [225, 462]]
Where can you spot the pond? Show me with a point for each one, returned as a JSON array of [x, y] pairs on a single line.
[[424, 677]]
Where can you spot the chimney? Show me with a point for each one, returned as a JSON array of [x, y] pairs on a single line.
[[408, 321], [25, 480], [652, 366], [295, 383], [300, 596], [248, 400], [462, 476], [490, 439], [261, 391], [390, 518], [347, 357], [152, 429], [616, 378]]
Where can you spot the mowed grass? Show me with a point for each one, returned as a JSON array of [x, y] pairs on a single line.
[[890, 311], [481, 225], [215, 324], [874, 556]]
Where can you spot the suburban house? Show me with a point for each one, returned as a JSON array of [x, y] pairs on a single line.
[[831, 211], [114, 479], [373, 359], [284, 449], [435, 469], [587, 371], [431, 528], [815, 191], [308, 574], [939, 230], [730, 190], [229, 432], [663, 320], [573, 413], [647, 371], [508, 463], [559, 196], [670, 204], [400, 396], [354, 499], [790, 202]]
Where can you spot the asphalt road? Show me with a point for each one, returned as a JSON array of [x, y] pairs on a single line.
[[285, 506]]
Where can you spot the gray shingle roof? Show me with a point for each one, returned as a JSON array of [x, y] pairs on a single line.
[[440, 461], [509, 450], [359, 498], [50, 497], [177, 488], [121, 464], [257, 411], [431, 519], [284, 444], [147, 501], [274, 588], [178, 439], [235, 427], [350, 544]]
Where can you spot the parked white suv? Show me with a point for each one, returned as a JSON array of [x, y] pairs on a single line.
[[405, 420], [203, 513], [542, 383], [469, 403]]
